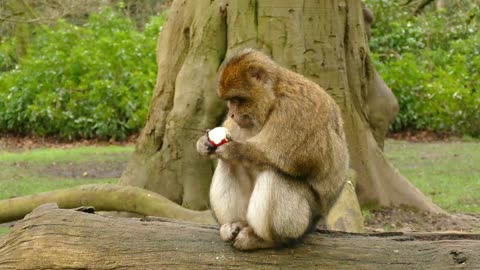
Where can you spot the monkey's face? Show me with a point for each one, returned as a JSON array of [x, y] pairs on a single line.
[[249, 105], [246, 83], [240, 111]]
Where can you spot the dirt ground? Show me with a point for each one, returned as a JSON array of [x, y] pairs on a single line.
[[422, 136], [405, 220], [87, 170], [16, 143], [387, 219]]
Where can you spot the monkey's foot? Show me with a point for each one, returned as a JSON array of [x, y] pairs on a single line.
[[247, 239], [229, 231]]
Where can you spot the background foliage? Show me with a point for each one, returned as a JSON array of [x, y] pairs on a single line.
[[92, 77], [89, 81], [431, 62]]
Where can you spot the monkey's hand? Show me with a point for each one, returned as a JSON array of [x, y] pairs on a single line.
[[234, 151], [248, 153], [226, 151], [204, 147]]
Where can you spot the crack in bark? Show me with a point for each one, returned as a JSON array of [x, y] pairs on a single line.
[[347, 26], [224, 14], [255, 17]]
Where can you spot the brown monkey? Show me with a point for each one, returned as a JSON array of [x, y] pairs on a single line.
[[287, 159]]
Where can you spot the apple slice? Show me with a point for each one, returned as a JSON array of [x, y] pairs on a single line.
[[218, 136]]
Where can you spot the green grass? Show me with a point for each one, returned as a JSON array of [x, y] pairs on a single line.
[[3, 230], [41, 170], [32, 184], [449, 173], [79, 154]]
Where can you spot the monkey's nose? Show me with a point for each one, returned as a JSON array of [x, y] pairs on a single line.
[[232, 115]]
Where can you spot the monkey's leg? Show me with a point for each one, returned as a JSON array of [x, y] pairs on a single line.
[[229, 194], [279, 212]]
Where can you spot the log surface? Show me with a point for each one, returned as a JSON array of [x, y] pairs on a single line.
[[52, 238]]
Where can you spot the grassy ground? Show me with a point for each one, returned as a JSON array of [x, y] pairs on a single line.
[[29, 172], [449, 173], [40, 170], [3, 230]]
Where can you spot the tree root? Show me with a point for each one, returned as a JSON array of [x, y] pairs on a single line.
[[104, 197]]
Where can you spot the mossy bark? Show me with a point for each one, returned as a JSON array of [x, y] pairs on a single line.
[[22, 29], [323, 40]]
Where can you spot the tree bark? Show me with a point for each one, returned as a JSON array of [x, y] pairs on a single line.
[[441, 4], [51, 238], [325, 41], [183, 106]]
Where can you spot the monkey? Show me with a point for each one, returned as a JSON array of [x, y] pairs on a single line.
[[286, 159]]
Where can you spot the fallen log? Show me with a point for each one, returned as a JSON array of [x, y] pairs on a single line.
[[53, 238]]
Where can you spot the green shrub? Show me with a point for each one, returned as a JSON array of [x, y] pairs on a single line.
[[7, 54], [90, 81], [432, 64]]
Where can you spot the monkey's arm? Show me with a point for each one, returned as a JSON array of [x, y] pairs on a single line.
[[251, 154]]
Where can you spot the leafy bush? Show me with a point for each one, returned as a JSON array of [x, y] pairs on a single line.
[[7, 54], [84, 81], [432, 64]]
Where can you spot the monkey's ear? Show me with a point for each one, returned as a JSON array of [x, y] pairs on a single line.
[[257, 74]]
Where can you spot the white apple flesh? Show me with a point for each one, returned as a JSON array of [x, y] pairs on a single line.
[[218, 136]]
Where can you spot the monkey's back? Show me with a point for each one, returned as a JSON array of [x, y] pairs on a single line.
[[316, 132]]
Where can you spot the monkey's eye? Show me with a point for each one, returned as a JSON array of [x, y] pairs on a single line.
[[237, 100]]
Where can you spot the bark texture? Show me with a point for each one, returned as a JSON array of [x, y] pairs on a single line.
[[51, 238], [183, 106], [325, 41]]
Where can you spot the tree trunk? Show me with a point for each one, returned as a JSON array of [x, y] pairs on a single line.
[[22, 29], [183, 106], [51, 238], [323, 40], [441, 4]]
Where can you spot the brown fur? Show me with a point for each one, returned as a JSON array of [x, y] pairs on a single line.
[[288, 157]]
